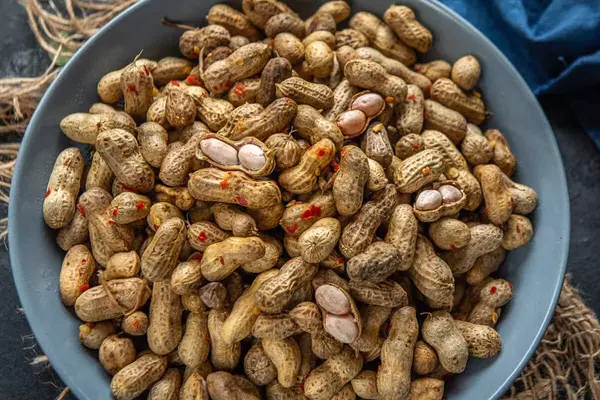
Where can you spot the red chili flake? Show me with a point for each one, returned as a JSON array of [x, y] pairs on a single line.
[[202, 237], [321, 153], [142, 73], [207, 337], [510, 285], [453, 247], [518, 228], [272, 42], [175, 83], [389, 99], [136, 325], [343, 153], [193, 81], [132, 88], [221, 260], [140, 205], [198, 256], [415, 146], [411, 97], [84, 287], [147, 70], [424, 115], [241, 200], [302, 386], [81, 210], [115, 212], [485, 211], [110, 222], [426, 171], [239, 89], [512, 203], [227, 84], [316, 211], [493, 290], [291, 228], [336, 166], [309, 147], [224, 184], [155, 227], [48, 191], [83, 261], [340, 260]]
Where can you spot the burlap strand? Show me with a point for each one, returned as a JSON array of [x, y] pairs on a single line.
[[565, 365]]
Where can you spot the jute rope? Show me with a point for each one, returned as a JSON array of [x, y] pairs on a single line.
[[565, 365]]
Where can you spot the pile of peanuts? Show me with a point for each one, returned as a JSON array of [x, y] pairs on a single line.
[[310, 215]]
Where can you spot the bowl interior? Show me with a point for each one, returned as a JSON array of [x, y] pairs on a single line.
[[536, 270]]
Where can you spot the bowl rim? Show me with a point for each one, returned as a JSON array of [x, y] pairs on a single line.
[[19, 278]]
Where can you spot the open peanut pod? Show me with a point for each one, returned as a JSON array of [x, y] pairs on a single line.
[[364, 106], [440, 199], [248, 155], [341, 318]]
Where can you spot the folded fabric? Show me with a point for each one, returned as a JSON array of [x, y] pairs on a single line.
[[555, 45]]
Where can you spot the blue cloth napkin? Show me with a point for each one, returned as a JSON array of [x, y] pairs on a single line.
[[558, 51]]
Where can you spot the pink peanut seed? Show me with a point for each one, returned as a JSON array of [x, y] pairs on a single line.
[[428, 200], [352, 123], [342, 327], [219, 152], [252, 157], [369, 103], [332, 299], [450, 194]]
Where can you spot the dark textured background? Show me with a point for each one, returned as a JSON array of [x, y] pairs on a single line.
[[20, 56]]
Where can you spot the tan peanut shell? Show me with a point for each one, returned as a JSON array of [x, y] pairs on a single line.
[[274, 326], [299, 216], [160, 213], [427, 389], [85, 128], [375, 264], [449, 233], [319, 58], [320, 21], [75, 273], [311, 125], [135, 324], [503, 156], [94, 204], [483, 341], [350, 37], [441, 332], [409, 145], [494, 294], [435, 69], [156, 112], [469, 185], [186, 276], [235, 120], [376, 144], [63, 187], [92, 334], [128, 207], [517, 233], [267, 217], [342, 96], [276, 71], [180, 109], [286, 148], [301, 91], [498, 200], [403, 21], [289, 47], [259, 11], [224, 386], [377, 179], [153, 143], [285, 355], [191, 42], [194, 385], [307, 316], [138, 376], [425, 359], [109, 86], [452, 157], [161, 256], [235, 22], [74, 233], [96, 305], [485, 238], [445, 209], [302, 177], [372, 76], [194, 346], [365, 385], [100, 249], [122, 265], [449, 94], [99, 174], [221, 259], [410, 113], [171, 69], [431, 275], [373, 318], [328, 378], [115, 353], [211, 184], [240, 320], [393, 378], [475, 147], [137, 86], [466, 72], [358, 234], [273, 250], [167, 387], [276, 117], [244, 91], [178, 196], [122, 154], [258, 367], [418, 170], [402, 233], [382, 37], [441, 118], [350, 181], [284, 22], [385, 294], [277, 291], [164, 329], [242, 63], [223, 355], [318, 241], [214, 112], [485, 265]]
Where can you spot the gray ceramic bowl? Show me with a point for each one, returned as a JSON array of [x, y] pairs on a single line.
[[536, 270]]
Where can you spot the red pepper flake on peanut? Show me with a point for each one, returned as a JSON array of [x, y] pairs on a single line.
[[389, 99], [493, 290], [83, 261], [340, 260], [411, 97], [336, 166], [453, 247], [202, 237], [221, 260], [321, 153], [48, 191], [175, 83], [224, 184], [81, 210], [518, 228], [241, 200], [132, 88], [291, 228], [140, 205], [426, 171], [84, 287], [136, 325], [115, 212], [193, 81], [110, 222]]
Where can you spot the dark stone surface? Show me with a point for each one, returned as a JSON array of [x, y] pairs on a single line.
[[20, 56]]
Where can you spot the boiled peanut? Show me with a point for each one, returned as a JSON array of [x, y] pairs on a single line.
[[466, 72], [74, 233], [434, 70], [425, 359], [419, 170], [403, 21], [109, 86], [328, 378], [484, 239], [319, 240], [409, 145], [129, 207], [284, 22], [349, 184], [402, 234], [135, 324], [302, 178], [223, 355], [450, 95], [503, 156], [93, 334], [186, 276], [315, 95], [373, 318], [385, 294], [376, 144], [441, 118], [370, 75], [244, 91], [267, 217], [161, 212], [258, 367], [483, 341], [377, 179], [138, 376], [427, 389], [122, 265], [224, 386], [192, 41], [492, 295], [75, 273], [441, 332], [167, 387], [85, 128], [161, 256], [313, 126], [275, 118], [285, 355], [221, 259], [376, 263], [235, 22], [137, 86], [276, 71], [116, 353], [449, 233], [319, 58], [194, 346]]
